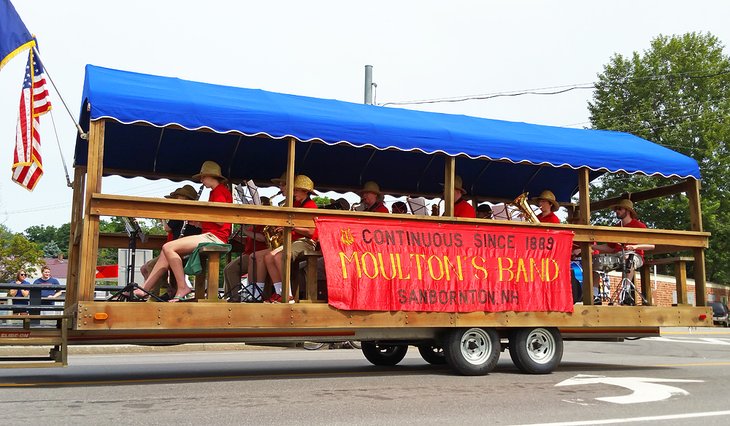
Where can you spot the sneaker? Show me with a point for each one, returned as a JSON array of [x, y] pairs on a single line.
[[276, 298], [597, 300], [252, 294]]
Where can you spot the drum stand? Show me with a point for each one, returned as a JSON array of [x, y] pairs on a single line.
[[625, 294], [127, 293]]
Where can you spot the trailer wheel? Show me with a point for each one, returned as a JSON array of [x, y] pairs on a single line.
[[472, 351], [432, 354], [383, 354], [536, 350]]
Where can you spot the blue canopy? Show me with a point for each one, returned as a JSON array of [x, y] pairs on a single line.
[[166, 127]]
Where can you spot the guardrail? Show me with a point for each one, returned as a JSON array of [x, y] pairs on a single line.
[[35, 302]]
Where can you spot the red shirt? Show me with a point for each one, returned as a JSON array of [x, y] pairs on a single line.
[[635, 223], [549, 218], [463, 209], [249, 248], [378, 207], [307, 204], [220, 194]]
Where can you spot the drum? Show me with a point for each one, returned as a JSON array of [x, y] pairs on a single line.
[[607, 262]]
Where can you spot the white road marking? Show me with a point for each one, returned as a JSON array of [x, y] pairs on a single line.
[[635, 419], [644, 389], [698, 340]]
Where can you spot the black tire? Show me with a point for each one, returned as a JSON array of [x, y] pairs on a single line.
[[432, 354], [536, 350], [472, 351], [354, 344], [383, 354]]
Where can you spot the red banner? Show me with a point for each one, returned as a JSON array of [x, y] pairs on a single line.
[[382, 265]]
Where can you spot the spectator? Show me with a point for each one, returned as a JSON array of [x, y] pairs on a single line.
[[47, 279], [19, 279]]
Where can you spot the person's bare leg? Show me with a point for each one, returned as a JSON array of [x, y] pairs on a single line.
[[173, 252]]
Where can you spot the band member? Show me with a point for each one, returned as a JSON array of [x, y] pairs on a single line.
[[173, 228], [212, 232], [372, 198], [628, 218], [239, 266], [548, 206], [302, 238], [462, 208]]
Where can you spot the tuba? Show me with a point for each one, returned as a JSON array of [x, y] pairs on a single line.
[[274, 238], [526, 211]]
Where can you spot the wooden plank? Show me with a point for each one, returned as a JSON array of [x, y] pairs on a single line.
[[695, 208], [286, 266], [90, 234], [668, 260], [449, 174], [121, 240], [212, 318]]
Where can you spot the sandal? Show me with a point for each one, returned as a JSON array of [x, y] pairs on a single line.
[[183, 298]]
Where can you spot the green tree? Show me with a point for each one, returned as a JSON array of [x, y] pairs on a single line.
[[676, 94], [51, 249], [44, 235], [16, 252]]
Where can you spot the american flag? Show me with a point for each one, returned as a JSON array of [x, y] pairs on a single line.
[[34, 101]]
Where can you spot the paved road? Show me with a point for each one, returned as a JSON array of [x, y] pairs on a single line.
[[686, 374]]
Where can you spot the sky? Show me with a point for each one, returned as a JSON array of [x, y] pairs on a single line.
[[419, 49]]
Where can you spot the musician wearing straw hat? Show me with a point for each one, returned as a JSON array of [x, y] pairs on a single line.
[[462, 208], [548, 206], [372, 198], [173, 228], [303, 239], [212, 232], [625, 213]]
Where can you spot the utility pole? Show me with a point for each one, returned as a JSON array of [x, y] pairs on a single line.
[[368, 84]]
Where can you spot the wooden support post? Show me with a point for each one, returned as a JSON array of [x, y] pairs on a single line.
[[680, 274], [584, 218], [88, 252], [449, 174], [77, 206], [695, 218], [286, 254], [646, 284], [700, 278]]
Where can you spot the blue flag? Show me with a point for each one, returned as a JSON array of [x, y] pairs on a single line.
[[14, 36]]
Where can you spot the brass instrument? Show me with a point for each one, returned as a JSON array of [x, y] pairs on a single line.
[[274, 236], [526, 211]]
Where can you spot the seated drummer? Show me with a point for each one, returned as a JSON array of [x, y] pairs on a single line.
[[548, 206], [628, 218], [212, 232], [372, 198], [303, 239]]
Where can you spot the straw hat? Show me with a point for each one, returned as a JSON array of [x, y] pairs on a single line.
[[186, 191], [304, 183], [210, 168], [548, 196], [370, 186], [458, 184], [627, 204]]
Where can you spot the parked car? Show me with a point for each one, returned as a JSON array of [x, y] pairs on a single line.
[[720, 313]]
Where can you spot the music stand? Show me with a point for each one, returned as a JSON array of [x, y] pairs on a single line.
[[127, 293]]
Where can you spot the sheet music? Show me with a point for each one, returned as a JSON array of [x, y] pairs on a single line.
[[503, 211], [254, 191], [417, 205]]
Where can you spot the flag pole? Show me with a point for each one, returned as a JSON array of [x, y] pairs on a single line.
[[82, 134]]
